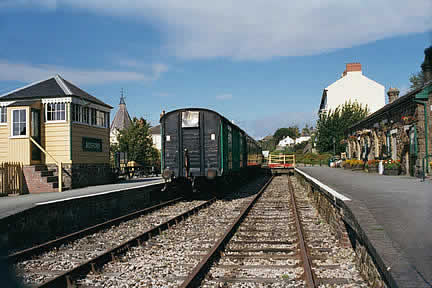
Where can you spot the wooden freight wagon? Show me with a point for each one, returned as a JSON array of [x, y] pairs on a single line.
[[53, 122]]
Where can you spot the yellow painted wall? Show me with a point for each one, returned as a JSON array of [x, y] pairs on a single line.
[[55, 138], [4, 143], [56, 141], [78, 155]]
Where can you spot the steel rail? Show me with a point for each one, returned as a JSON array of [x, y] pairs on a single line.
[[311, 281], [195, 276], [41, 248], [67, 278]]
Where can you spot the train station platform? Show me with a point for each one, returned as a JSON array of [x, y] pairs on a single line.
[[15, 204], [395, 212]]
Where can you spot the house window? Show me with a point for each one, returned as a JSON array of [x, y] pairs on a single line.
[[19, 122], [3, 114], [55, 111]]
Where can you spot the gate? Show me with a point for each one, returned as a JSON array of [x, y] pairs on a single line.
[[11, 178]]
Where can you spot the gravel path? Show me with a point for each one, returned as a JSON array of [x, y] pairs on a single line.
[[54, 262], [167, 259]]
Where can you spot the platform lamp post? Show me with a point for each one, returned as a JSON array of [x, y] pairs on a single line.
[[334, 146]]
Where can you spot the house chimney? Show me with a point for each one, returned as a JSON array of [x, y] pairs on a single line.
[[352, 67], [393, 94], [427, 65]]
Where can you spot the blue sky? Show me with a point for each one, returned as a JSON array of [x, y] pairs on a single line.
[[262, 64]]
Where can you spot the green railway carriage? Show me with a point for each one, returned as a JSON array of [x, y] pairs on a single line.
[[200, 144]]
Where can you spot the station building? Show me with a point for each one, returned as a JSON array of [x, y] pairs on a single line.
[[401, 130], [50, 122]]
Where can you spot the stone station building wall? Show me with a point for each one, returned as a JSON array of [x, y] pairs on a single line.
[[397, 131]]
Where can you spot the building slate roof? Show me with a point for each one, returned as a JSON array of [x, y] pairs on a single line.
[[23, 103], [155, 130], [121, 120], [55, 86]]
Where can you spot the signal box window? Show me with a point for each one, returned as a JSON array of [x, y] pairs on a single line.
[[3, 115], [19, 122], [55, 112]]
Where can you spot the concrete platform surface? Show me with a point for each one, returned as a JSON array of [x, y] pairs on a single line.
[[396, 214], [14, 204]]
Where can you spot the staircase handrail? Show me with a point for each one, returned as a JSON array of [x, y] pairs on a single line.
[[59, 163]]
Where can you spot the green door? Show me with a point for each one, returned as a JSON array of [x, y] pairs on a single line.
[[35, 133]]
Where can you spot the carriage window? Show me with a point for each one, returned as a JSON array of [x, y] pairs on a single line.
[[190, 119]]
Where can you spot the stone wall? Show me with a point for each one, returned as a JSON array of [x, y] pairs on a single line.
[[333, 211], [374, 131], [82, 175], [46, 222]]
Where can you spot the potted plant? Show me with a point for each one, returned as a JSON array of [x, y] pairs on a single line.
[[392, 167], [347, 164], [356, 164], [372, 166]]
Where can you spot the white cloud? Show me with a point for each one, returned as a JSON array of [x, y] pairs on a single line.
[[224, 96], [255, 29], [29, 73]]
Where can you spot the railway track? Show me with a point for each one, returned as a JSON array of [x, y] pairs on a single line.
[[167, 259], [278, 240], [55, 263], [273, 238]]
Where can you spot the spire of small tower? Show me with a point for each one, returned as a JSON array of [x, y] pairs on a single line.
[[122, 98]]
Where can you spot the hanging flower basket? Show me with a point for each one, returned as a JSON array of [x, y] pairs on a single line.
[[408, 119]]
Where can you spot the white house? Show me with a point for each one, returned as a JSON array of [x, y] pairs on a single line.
[[286, 142], [355, 87], [302, 139], [156, 136]]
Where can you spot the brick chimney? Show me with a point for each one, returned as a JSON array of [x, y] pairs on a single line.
[[427, 65], [393, 94], [352, 67]]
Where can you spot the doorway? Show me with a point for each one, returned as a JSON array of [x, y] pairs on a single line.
[[36, 153]]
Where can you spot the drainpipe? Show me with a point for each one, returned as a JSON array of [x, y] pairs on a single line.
[[426, 136]]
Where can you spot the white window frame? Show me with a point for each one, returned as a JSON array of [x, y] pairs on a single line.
[[3, 108], [12, 124], [55, 121]]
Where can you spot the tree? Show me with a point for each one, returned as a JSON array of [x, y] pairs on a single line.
[[306, 131], [281, 133], [138, 144], [417, 80], [268, 143], [332, 125]]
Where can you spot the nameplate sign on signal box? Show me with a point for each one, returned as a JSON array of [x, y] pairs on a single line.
[[92, 144]]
